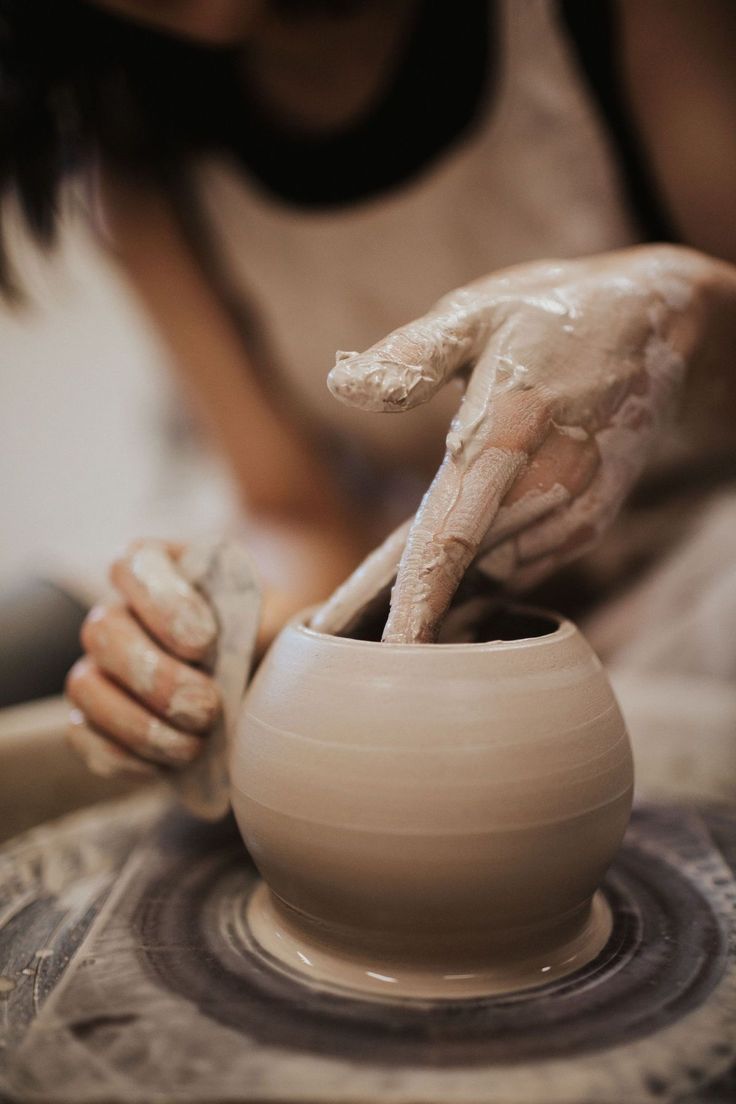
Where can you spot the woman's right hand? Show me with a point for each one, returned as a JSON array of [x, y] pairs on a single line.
[[141, 703]]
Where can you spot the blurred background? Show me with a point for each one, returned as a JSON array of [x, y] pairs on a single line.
[[97, 446], [97, 442]]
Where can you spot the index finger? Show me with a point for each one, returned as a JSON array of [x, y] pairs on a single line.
[[164, 601], [406, 368], [458, 509]]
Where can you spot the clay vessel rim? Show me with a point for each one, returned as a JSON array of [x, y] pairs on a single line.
[[565, 629]]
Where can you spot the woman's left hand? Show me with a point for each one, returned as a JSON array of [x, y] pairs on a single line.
[[571, 367]]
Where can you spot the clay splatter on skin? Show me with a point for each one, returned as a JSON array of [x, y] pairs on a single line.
[[122, 649], [127, 687], [191, 704], [190, 621], [102, 636], [167, 745], [142, 668], [587, 350], [107, 708], [103, 756]]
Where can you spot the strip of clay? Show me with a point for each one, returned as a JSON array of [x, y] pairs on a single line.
[[367, 584], [225, 575]]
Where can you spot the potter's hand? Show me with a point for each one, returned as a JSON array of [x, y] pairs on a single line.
[[139, 702], [570, 368]]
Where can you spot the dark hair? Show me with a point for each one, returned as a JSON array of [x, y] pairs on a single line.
[[77, 83]]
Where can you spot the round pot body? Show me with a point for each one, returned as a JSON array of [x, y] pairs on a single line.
[[431, 820]]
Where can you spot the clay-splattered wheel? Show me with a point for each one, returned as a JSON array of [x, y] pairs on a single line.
[[666, 952], [129, 974]]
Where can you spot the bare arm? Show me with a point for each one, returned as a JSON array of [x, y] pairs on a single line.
[[278, 473], [677, 65], [141, 705], [285, 484]]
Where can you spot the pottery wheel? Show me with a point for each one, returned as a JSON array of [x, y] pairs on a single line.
[[129, 973]]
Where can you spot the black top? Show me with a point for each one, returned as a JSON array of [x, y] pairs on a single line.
[[152, 100], [439, 91], [78, 81]]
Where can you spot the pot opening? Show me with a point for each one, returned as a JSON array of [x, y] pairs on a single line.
[[480, 613]]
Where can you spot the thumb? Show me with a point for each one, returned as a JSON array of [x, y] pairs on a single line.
[[409, 366]]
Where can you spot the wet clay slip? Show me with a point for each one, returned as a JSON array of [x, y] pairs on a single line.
[[431, 820]]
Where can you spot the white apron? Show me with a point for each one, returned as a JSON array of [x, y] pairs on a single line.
[[535, 177]]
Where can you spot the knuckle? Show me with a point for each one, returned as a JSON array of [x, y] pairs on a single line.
[[99, 625], [194, 703], [165, 744], [89, 634], [77, 677], [117, 571], [122, 564], [461, 299]]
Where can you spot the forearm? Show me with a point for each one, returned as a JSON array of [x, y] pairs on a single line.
[[277, 469]]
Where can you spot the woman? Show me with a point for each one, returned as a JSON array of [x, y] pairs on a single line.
[[339, 167]]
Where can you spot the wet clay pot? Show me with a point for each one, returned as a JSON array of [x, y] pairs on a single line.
[[431, 820]]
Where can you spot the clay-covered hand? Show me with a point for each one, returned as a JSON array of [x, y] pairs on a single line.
[[140, 704], [570, 368]]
